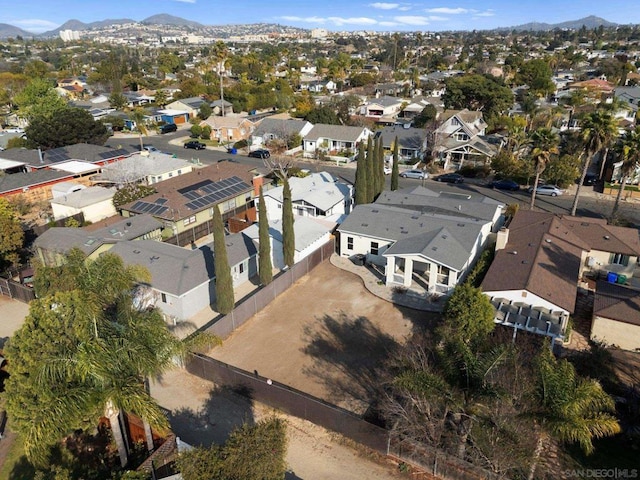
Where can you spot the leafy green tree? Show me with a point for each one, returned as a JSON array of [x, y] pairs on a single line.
[[11, 234], [469, 313], [196, 131], [205, 111], [117, 123], [225, 300], [598, 131], [362, 195], [545, 144], [629, 153], [478, 92], [17, 142], [205, 134], [36, 69], [536, 74], [288, 232], [117, 100], [569, 408], [252, 452], [265, 268], [161, 98], [130, 193], [371, 173], [67, 127], [325, 115], [562, 170], [395, 169], [104, 348], [428, 114], [38, 99]]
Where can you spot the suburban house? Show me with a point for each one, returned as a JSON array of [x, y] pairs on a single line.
[[95, 239], [393, 89], [95, 203], [616, 316], [229, 129], [424, 241], [148, 169], [189, 105], [412, 142], [310, 234], [540, 261], [185, 203], [183, 280], [630, 96], [276, 129], [36, 159], [317, 195], [318, 86], [163, 116], [222, 107], [383, 107], [460, 139], [334, 139]]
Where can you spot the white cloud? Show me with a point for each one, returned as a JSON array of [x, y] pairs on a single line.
[[35, 25], [412, 20], [488, 13], [447, 10], [436, 18], [185, 1], [386, 23], [384, 6]]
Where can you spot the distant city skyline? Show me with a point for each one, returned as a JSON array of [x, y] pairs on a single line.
[[38, 16]]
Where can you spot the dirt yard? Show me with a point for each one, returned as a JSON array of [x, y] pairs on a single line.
[[327, 336]]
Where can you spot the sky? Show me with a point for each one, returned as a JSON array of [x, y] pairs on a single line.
[[335, 15]]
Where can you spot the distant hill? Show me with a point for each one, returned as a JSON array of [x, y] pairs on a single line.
[[589, 22], [79, 26], [7, 31], [166, 19]]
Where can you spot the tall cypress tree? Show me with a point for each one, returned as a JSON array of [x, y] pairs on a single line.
[[265, 268], [361, 177], [395, 169], [224, 283], [288, 234], [370, 171], [379, 166]]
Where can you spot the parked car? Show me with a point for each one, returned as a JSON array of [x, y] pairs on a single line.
[[450, 178], [552, 190], [150, 148], [195, 145], [415, 173], [590, 180], [168, 128], [260, 153], [505, 184]]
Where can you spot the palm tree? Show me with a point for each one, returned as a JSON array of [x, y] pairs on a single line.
[[138, 115], [569, 408], [598, 132], [629, 151], [545, 144]]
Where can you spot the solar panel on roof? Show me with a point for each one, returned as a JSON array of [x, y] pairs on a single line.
[[191, 206], [161, 201]]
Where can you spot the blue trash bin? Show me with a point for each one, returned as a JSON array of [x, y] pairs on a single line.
[[233, 151], [612, 277]]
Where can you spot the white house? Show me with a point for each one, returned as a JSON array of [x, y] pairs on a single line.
[[383, 107], [317, 195], [334, 139], [139, 168], [95, 203], [271, 129], [420, 236]]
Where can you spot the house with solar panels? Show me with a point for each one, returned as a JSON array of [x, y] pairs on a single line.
[[185, 204]]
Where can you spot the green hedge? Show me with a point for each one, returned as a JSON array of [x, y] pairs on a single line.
[[616, 186]]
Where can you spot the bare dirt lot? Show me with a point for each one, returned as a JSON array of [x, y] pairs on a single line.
[[327, 336]]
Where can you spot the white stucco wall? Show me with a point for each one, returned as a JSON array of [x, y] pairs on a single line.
[[526, 297], [187, 305], [623, 335]]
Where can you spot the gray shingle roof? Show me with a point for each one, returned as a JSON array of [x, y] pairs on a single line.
[[385, 101], [78, 151], [417, 233], [279, 127], [21, 180], [318, 189], [334, 132], [85, 197], [410, 138]]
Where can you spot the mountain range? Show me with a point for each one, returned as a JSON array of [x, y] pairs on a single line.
[[7, 30]]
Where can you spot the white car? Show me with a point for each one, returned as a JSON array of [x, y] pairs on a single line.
[[415, 173], [552, 190]]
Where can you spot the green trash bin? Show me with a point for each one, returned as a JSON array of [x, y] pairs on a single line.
[[622, 279]]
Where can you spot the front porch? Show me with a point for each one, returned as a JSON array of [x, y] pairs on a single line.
[[420, 276]]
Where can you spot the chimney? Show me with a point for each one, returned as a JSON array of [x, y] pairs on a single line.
[[40, 156], [502, 238]]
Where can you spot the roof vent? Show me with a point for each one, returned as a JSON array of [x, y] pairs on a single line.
[[375, 211], [606, 237], [515, 252], [136, 251], [434, 248], [365, 224], [548, 240]]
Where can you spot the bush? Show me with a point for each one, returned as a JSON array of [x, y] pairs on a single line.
[[241, 144], [470, 171], [196, 131], [476, 275]]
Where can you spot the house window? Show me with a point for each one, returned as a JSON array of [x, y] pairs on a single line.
[[241, 267], [461, 137], [349, 243], [170, 174], [228, 205], [374, 248], [164, 297], [443, 275], [211, 212], [191, 219], [179, 172], [619, 259]]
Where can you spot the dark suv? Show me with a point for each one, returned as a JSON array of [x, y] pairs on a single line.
[[168, 128], [196, 145], [261, 153]]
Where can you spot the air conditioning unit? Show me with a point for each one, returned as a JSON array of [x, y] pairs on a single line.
[[591, 262]]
